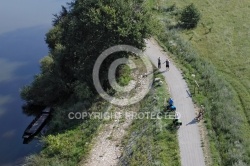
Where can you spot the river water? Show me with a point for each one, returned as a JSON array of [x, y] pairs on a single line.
[[23, 25]]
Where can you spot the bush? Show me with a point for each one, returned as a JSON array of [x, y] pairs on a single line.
[[190, 17]]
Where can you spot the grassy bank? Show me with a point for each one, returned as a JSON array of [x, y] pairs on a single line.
[[205, 53], [69, 137], [151, 141], [68, 141]]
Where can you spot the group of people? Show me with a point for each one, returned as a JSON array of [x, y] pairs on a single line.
[[166, 61], [176, 120], [171, 107]]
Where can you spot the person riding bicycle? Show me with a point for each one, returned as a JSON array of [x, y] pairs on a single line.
[[170, 105], [172, 108]]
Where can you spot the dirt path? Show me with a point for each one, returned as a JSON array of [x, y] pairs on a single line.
[[106, 149], [188, 134]]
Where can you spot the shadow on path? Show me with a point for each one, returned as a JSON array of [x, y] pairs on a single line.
[[155, 71], [194, 121]]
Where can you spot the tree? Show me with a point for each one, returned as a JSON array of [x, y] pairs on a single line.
[[80, 34], [190, 17]]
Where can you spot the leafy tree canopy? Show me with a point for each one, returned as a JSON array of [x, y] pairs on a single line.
[[81, 31]]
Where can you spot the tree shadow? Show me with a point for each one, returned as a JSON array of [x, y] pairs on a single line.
[[160, 72], [31, 109], [155, 71], [172, 128]]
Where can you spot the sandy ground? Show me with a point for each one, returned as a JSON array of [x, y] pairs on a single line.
[[107, 149]]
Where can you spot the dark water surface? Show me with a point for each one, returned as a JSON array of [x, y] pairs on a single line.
[[20, 52], [21, 48]]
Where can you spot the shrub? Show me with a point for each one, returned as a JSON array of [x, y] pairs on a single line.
[[190, 17]]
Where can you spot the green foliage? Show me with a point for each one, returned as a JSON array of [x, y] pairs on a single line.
[[48, 87], [151, 141], [45, 90], [190, 17], [47, 64], [81, 32], [58, 145], [82, 91], [124, 76], [226, 127], [53, 37], [61, 120], [218, 57], [69, 139]]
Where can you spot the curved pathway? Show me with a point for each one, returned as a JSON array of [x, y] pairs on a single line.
[[188, 135]]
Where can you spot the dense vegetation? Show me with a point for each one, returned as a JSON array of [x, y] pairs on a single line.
[[81, 32], [190, 17], [216, 52], [152, 141], [208, 52], [73, 138], [68, 140]]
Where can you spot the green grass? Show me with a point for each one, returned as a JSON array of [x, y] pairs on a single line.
[[124, 75], [217, 54], [151, 141], [226, 45], [69, 140]]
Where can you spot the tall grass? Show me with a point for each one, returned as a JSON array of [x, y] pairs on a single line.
[[68, 141], [124, 75], [226, 125], [151, 141], [222, 38]]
